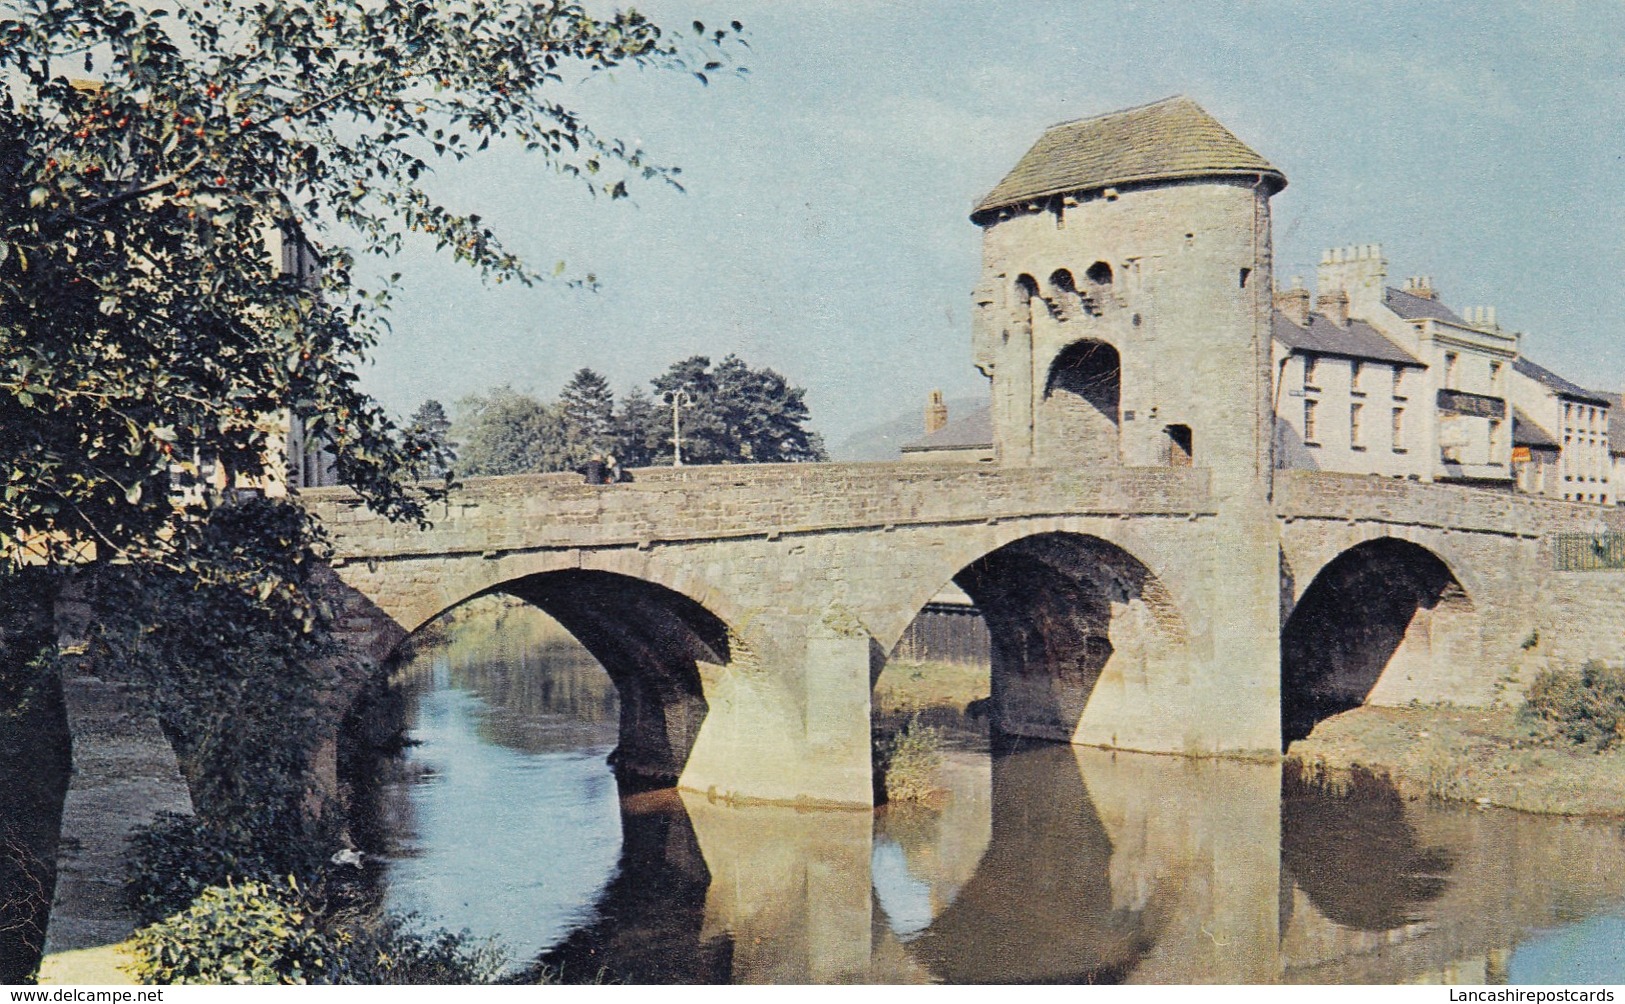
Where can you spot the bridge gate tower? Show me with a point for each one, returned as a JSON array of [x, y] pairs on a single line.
[[1123, 318]]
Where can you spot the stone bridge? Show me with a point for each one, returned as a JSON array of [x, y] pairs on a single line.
[[745, 612]]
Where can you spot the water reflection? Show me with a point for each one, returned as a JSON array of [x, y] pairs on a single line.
[[1038, 863]]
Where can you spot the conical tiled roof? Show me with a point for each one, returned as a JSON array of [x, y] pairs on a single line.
[[1169, 139]]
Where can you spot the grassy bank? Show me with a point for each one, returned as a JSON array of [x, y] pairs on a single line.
[[1491, 756], [906, 686]]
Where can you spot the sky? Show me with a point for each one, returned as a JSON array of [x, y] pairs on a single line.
[[824, 229]]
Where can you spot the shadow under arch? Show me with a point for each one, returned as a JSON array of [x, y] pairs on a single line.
[[1386, 609], [1062, 609], [649, 638]]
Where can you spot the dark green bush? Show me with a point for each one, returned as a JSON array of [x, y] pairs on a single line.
[[176, 858], [1586, 708], [253, 932], [387, 950], [280, 932]]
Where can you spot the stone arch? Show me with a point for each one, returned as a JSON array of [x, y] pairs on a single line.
[[1078, 419], [655, 629], [1099, 274], [1308, 546], [1066, 611], [1062, 282], [1386, 621]]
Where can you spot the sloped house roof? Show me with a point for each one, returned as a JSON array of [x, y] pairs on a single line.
[[1525, 432], [972, 432], [1164, 141], [1415, 308], [1357, 341], [1552, 381]]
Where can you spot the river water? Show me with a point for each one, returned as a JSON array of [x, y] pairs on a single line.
[[1036, 862]]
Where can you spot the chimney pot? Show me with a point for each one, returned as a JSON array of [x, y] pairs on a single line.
[[936, 413], [1294, 303]]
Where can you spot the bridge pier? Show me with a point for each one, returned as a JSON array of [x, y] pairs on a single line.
[[791, 730]]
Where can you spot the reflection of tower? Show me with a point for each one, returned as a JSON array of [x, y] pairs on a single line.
[[1039, 908], [1124, 309]]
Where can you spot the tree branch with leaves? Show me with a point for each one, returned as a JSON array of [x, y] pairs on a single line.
[[147, 156]]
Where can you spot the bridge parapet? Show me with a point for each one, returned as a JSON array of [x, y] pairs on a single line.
[[667, 505], [1357, 497]]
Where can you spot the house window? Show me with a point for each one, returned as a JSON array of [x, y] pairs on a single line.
[[1399, 381], [1357, 377], [1399, 430], [1309, 421], [1495, 376], [1450, 361], [1311, 371], [1495, 440], [1356, 433]]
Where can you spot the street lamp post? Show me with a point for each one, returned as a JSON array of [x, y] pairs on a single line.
[[678, 399]]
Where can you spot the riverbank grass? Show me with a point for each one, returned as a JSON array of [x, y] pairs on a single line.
[[1498, 756]]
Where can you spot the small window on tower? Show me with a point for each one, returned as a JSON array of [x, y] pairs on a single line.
[[1180, 452]]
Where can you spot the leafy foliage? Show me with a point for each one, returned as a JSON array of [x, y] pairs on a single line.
[[280, 933], [253, 932], [177, 858], [234, 651], [587, 418], [390, 950], [506, 432], [430, 429], [1586, 708], [908, 761], [731, 414], [143, 324], [639, 431], [234, 648], [738, 414]]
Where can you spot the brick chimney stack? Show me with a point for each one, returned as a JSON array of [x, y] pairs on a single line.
[[1294, 303], [936, 413], [1334, 306]]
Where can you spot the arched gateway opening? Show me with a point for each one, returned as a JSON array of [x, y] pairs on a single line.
[[1079, 408], [1383, 622], [1025, 635]]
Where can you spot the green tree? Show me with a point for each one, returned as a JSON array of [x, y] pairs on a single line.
[[142, 321], [638, 430], [506, 432], [430, 430], [737, 414], [587, 417]]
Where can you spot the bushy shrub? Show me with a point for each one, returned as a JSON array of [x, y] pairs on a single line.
[[280, 932], [252, 932], [1586, 708], [909, 760], [388, 950], [177, 857]]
